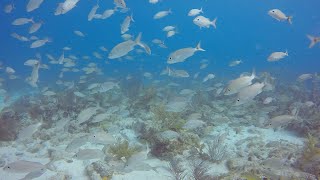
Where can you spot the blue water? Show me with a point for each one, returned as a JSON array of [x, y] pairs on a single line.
[[244, 31]]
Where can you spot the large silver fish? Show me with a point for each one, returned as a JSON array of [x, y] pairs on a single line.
[[124, 48], [182, 54]]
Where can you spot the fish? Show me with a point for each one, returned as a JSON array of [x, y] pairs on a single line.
[[169, 28], [107, 13], [86, 154], [236, 85], [279, 15], [78, 33], [39, 43], [20, 38], [33, 5], [153, 1], [59, 9], [9, 8], [195, 12], [178, 73], [33, 79], [35, 27], [313, 40], [203, 66], [304, 77], [202, 21], [34, 174], [276, 56], [282, 120], [120, 4], [126, 24], [49, 93], [208, 77], [171, 33], [235, 63], [22, 166], [182, 54], [249, 93], [67, 6], [92, 12], [86, 114], [162, 14], [10, 70], [21, 21], [124, 48]]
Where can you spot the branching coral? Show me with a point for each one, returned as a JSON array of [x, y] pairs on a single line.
[[216, 151], [310, 161], [122, 149], [200, 171], [177, 170]]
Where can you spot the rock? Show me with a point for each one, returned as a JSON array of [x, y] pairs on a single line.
[[168, 136], [9, 126], [99, 168]]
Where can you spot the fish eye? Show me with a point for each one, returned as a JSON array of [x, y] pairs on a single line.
[[94, 135], [198, 19], [8, 167], [272, 10], [238, 100], [269, 124], [170, 57]]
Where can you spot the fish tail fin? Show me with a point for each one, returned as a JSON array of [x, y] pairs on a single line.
[[287, 54], [131, 17], [253, 74], [290, 19], [138, 39], [312, 40], [170, 11], [201, 10], [198, 48], [213, 23]]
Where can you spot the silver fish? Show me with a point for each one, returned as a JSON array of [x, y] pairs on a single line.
[[34, 174], [279, 15], [276, 56], [124, 48], [92, 12], [126, 24], [237, 84], [33, 4], [85, 154], [22, 166], [182, 54], [21, 21], [35, 27]]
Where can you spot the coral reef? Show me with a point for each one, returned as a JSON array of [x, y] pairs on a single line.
[[164, 120], [122, 149], [310, 159]]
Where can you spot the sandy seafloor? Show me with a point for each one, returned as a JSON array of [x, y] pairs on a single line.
[[76, 169]]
